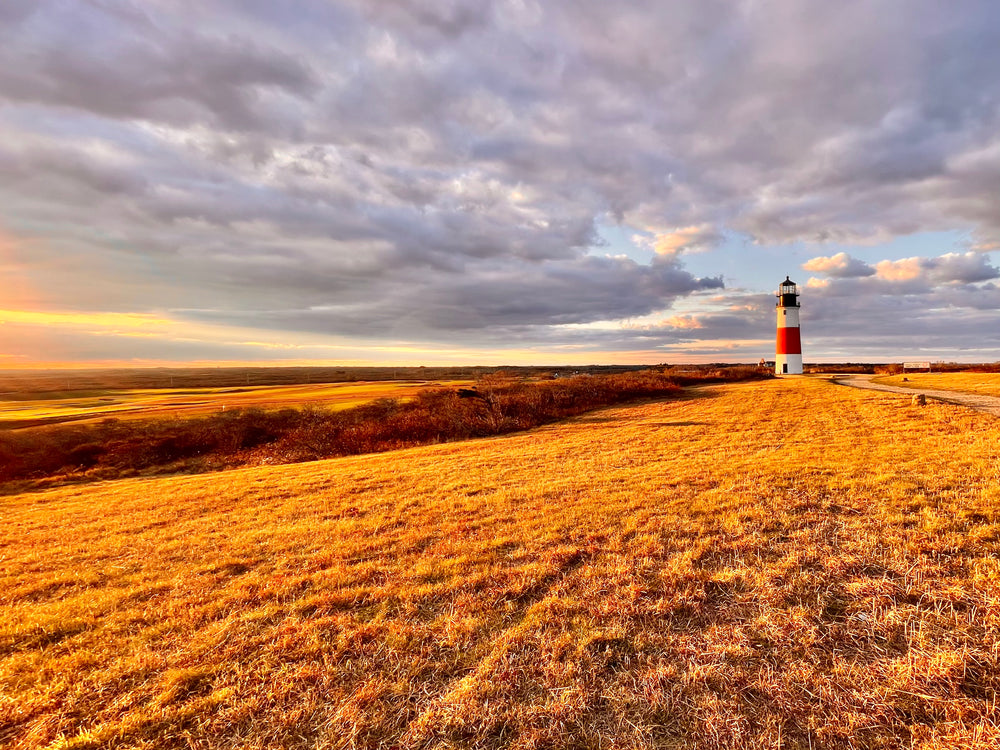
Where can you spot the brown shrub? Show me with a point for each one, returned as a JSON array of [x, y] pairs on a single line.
[[500, 403], [890, 369]]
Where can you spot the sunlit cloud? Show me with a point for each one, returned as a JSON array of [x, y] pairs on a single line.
[[840, 265], [986, 247], [906, 269], [963, 268], [686, 322], [686, 240]]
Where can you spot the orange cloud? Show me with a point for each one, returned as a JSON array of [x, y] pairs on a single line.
[[688, 322], [899, 270], [694, 238]]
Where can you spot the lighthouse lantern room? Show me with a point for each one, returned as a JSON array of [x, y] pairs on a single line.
[[788, 351]]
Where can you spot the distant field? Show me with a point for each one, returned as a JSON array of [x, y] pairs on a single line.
[[16, 383], [781, 564], [25, 411], [985, 384]]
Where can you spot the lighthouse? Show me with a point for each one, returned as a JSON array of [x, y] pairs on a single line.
[[788, 352]]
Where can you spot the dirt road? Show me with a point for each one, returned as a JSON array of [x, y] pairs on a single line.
[[988, 404]]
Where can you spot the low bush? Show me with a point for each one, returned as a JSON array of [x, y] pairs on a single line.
[[498, 404]]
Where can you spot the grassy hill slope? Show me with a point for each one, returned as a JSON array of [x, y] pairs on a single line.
[[783, 564]]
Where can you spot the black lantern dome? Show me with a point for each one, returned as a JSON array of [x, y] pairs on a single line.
[[787, 295]]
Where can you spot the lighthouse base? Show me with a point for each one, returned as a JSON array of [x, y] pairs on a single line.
[[788, 364]]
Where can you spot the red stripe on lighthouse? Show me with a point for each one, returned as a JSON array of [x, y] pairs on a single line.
[[789, 341]]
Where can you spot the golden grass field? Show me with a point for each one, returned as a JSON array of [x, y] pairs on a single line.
[[780, 564], [158, 402], [982, 383]]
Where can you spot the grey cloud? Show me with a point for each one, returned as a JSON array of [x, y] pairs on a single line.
[[579, 292], [443, 21], [498, 295], [121, 63], [964, 268], [15, 12], [402, 168]]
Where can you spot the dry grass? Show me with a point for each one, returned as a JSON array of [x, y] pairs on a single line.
[[982, 383], [786, 564]]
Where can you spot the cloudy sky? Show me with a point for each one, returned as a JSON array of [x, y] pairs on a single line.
[[516, 181]]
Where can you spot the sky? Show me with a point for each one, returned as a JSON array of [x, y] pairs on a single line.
[[506, 182]]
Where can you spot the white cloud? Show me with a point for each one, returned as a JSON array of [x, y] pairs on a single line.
[[840, 265]]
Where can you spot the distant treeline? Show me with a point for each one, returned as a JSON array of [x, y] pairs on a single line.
[[499, 403], [27, 384], [894, 368]]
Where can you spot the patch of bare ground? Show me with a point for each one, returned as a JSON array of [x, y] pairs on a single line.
[[783, 564]]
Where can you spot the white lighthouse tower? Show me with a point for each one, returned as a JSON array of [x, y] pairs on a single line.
[[788, 351]]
